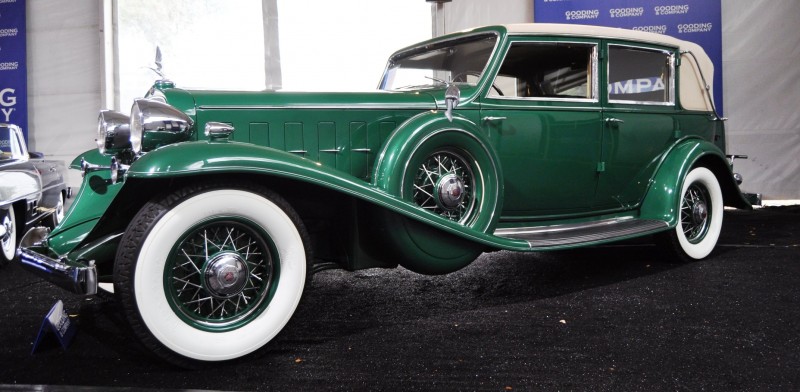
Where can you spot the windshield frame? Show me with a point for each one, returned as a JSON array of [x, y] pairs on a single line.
[[434, 45]]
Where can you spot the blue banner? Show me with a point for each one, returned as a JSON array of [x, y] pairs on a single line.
[[698, 21], [13, 73]]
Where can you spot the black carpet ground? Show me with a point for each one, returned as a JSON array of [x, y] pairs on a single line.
[[606, 318]]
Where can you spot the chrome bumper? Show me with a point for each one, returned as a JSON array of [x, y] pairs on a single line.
[[76, 278]]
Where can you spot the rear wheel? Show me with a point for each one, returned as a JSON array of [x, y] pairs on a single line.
[[700, 217], [211, 274], [8, 235]]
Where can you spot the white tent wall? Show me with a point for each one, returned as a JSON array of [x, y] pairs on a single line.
[[761, 50], [65, 77], [761, 86], [463, 14]]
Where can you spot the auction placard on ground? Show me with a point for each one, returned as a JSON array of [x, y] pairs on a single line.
[[13, 73], [699, 21]]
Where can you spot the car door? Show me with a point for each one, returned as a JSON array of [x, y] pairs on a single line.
[[639, 116], [542, 114]]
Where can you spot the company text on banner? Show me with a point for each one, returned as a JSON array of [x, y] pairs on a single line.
[[13, 73]]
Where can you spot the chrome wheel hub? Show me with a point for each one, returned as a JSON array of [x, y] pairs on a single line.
[[226, 275], [444, 185], [695, 213], [699, 213], [219, 274], [450, 192]]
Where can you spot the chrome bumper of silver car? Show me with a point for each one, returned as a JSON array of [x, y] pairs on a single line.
[[79, 279]]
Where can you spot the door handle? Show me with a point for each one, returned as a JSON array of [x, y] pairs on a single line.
[[614, 120], [491, 118]]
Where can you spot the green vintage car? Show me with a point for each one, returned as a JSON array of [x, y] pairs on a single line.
[[209, 211]]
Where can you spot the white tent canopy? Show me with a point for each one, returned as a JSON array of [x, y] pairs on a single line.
[[72, 58]]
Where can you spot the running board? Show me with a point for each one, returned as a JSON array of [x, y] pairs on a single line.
[[539, 237]]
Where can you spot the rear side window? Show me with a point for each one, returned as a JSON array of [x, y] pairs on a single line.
[[637, 75], [547, 70]]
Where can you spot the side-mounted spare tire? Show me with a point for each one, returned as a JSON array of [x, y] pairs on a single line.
[[211, 273], [449, 170]]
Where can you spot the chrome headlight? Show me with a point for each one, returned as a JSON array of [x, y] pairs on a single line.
[[154, 123], [113, 131]]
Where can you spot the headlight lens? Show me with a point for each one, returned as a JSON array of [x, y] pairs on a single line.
[[136, 128], [154, 123], [113, 131]]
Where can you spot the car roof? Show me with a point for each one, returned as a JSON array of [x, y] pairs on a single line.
[[575, 30]]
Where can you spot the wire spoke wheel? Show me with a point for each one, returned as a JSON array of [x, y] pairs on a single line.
[[445, 185], [211, 272], [219, 274], [695, 213], [699, 219]]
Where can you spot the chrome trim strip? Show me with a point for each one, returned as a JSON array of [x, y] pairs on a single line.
[[421, 106], [583, 233], [497, 106], [513, 231], [544, 99], [360, 150]]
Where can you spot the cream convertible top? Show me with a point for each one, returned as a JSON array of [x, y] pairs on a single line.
[[693, 94]]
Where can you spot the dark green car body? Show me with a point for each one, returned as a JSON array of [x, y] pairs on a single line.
[[521, 170]]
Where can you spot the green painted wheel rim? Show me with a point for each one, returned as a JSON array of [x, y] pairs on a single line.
[[204, 256]]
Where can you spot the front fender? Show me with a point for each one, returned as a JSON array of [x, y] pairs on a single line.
[[663, 196], [204, 157]]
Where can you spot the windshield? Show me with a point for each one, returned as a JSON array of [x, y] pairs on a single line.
[[10, 147], [460, 60]]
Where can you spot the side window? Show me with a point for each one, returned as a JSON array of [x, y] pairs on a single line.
[[638, 75], [547, 70]]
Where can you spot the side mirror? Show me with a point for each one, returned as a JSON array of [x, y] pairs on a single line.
[[451, 97]]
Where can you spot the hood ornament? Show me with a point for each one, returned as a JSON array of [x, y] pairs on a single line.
[[162, 81], [159, 67]]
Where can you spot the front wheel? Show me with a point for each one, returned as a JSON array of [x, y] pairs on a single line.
[[211, 274], [700, 217]]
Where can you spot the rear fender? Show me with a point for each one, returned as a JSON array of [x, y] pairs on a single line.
[[663, 196]]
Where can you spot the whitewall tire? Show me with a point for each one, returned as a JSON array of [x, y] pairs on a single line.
[[700, 211], [217, 273], [8, 241]]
